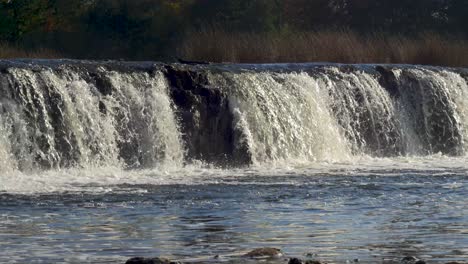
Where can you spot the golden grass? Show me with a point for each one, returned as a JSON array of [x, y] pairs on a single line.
[[11, 52], [323, 46]]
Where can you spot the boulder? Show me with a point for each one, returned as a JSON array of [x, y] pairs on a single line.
[[295, 261], [412, 260], [299, 261], [314, 262], [264, 253]]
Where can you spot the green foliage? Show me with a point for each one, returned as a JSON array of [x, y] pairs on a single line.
[[8, 26], [151, 29]]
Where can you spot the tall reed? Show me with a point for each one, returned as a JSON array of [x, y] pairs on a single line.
[[341, 46], [8, 51]]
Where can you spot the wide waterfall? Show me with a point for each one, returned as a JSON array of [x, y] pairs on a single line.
[[101, 161], [72, 114]]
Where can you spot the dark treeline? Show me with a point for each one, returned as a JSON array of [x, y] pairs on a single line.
[[155, 29]]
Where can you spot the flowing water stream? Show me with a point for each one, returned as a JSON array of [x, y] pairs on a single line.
[[101, 161]]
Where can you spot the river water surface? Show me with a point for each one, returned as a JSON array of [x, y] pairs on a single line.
[[377, 211], [103, 161]]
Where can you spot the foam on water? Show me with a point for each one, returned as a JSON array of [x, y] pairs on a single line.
[[115, 179]]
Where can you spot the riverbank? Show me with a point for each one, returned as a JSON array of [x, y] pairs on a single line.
[[342, 46], [8, 51]]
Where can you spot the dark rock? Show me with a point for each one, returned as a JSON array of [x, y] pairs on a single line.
[[190, 62], [388, 80], [295, 261], [314, 262], [408, 259], [207, 122], [102, 83], [411, 260], [264, 253], [298, 261], [140, 260]]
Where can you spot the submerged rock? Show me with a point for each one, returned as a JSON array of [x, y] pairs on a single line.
[[264, 253], [314, 262], [412, 260], [140, 260], [299, 261]]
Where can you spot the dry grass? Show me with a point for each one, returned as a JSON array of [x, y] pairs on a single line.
[[11, 52], [324, 46]]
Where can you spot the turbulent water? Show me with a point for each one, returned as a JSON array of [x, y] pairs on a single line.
[[105, 160]]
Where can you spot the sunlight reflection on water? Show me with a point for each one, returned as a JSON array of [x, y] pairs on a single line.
[[373, 215]]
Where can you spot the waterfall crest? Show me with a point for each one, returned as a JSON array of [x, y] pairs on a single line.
[[64, 114]]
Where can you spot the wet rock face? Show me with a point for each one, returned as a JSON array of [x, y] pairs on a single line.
[[206, 120], [388, 81]]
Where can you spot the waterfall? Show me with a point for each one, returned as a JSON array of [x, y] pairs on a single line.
[[59, 118], [73, 114], [335, 113], [364, 110], [284, 117], [144, 116], [433, 107]]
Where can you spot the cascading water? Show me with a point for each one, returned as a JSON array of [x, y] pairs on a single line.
[[335, 113], [284, 117], [364, 110], [146, 124], [89, 115], [192, 161], [434, 110], [59, 118]]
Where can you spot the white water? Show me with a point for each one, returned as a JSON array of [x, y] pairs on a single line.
[[139, 112], [284, 117], [437, 98], [94, 166], [291, 122], [117, 180], [361, 104], [148, 118]]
